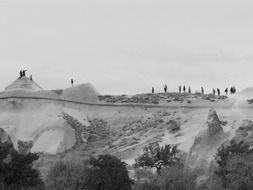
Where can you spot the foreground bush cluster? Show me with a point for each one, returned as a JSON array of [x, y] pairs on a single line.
[[234, 171]]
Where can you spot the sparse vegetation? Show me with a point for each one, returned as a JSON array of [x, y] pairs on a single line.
[[177, 178], [67, 174]]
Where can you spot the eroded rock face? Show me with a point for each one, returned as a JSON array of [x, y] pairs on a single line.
[[4, 137], [24, 147], [206, 143]]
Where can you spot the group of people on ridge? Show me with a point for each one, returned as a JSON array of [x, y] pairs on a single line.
[[22, 74], [183, 89]]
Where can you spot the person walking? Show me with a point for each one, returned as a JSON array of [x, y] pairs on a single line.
[[153, 90], [202, 90], [213, 91], [72, 82], [180, 89]]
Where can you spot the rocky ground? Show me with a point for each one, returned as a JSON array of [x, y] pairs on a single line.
[[160, 98]]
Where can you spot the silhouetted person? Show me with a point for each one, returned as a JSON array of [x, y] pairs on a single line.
[[189, 90], [21, 74], [232, 90], [165, 88], [202, 90], [153, 90], [31, 78], [180, 89], [213, 91], [218, 91], [184, 89], [72, 82], [226, 91]]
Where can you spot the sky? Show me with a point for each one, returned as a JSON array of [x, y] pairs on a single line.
[[126, 47]]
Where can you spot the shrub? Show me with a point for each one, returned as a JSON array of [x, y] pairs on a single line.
[[224, 156], [107, 173], [145, 186], [16, 170], [176, 177], [67, 175], [240, 172]]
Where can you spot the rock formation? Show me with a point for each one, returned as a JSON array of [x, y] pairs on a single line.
[[24, 83], [24, 147], [4, 137], [206, 143]]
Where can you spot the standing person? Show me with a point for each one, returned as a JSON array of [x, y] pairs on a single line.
[[202, 90], [218, 91], [165, 88], [232, 90], [213, 91], [23, 73], [20, 74], [153, 90], [180, 89], [226, 91], [72, 82], [184, 89], [189, 90]]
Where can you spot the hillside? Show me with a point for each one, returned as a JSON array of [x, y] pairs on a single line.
[[77, 122]]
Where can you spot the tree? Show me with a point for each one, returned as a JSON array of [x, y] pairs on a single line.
[[225, 154], [107, 172], [158, 157], [16, 169]]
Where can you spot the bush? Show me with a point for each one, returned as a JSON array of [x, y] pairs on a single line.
[[67, 175], [16, 170], [176, 177], [226, 153], [107, 173], [145, 186], [240, 172]]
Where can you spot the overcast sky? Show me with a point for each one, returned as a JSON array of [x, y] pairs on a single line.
[[128, 46]]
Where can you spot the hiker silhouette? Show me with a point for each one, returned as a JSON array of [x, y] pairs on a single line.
[[165, 88]]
